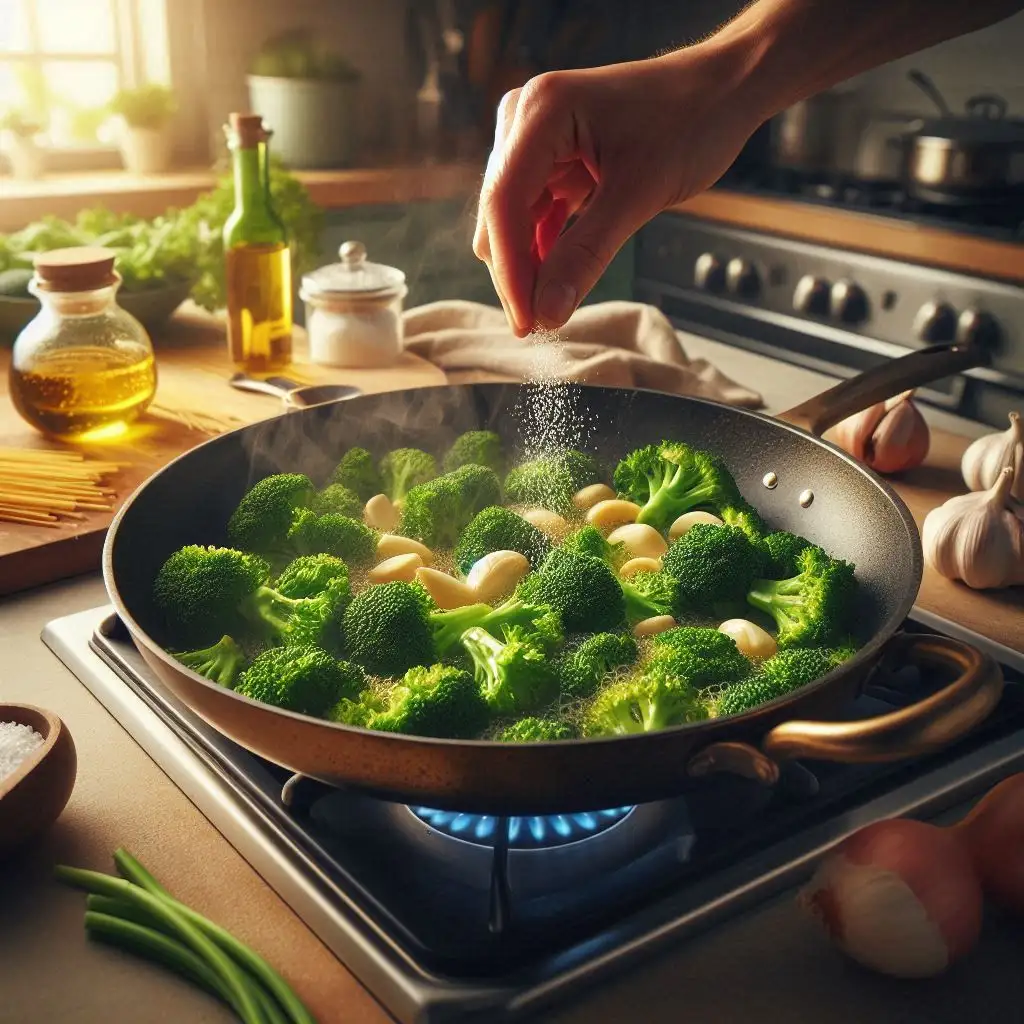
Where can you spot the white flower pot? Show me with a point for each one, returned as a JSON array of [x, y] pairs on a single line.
[[146, 150], [28, 161]]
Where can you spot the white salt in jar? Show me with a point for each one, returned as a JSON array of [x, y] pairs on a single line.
[[354, 311]]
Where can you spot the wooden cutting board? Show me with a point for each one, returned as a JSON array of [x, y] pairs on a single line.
[[193, 369]]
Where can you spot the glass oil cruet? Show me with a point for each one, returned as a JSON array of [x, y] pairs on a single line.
[[82, 368]]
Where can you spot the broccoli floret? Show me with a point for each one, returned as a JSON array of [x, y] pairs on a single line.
[[671, 478], [437, 701], [701, 656], [783, 549], [263, 517], [583, 590], [300, 620], [476, 447], [713, 564], [648, 594], [551, 480], [651, 699], [309, 575], [221, 663], [811, 608], [436, 512], [356, 712], [583, 670], [359, 474], [499, 529], [404, 468], [781, 674], [332, 534], [340, 499], [515, 675], [304, 679], [200, 591], [588, 540], [537, 730], [390, 627], [745, 517]]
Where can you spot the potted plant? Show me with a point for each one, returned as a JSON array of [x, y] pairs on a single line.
[[145, 138], [307, 96], [27, 159]]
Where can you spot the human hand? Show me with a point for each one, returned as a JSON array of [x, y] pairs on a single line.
[[613, 146]]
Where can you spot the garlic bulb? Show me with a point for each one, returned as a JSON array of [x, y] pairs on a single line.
[[988, 455], [978, 537], [890, 436]]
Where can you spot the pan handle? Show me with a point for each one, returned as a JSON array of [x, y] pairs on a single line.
[[881, 382], [912, 731]]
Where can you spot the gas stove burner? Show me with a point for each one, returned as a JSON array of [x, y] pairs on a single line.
[[524, 833]]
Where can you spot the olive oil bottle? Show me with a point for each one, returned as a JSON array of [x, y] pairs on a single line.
[[258, 270]]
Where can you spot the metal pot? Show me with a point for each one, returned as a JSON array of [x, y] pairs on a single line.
[[816, 135], [977, 158]]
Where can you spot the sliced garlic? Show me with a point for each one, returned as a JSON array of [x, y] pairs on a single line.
[[497, 574], [655, 624], [612, 512], [447, 591], [641, 540], [398, 567], [588, 497], [380, 513], [688, 519], [751, 639], [391, 544], [548, 522], [635, 565]]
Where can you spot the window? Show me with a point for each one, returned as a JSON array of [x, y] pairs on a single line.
[[62, 61]]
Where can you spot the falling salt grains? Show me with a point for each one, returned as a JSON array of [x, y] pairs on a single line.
[[16, 743], [550, 414]]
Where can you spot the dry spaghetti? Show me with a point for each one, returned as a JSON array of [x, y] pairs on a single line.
[[49, 488]]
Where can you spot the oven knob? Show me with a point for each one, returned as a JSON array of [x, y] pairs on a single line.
[[848, 302], [935, 321], [811, 295], [741, 277], [708, 273], [977, 328]]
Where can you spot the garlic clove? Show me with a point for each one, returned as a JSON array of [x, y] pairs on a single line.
[[548, 522], [977, 538], [612, 512], [391, 544], [380, 513], [654, 625], [447, 591], [496, 574], [589, 496], [629, 569], [750, 638], [641, 540], [890, 436], [682, 525], [987, 456], [398, 567]]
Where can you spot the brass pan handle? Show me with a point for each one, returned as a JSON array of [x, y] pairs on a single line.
[[911, 731], [923, 366]]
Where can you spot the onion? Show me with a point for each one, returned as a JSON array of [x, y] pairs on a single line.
[[900, 897], [994, 835]]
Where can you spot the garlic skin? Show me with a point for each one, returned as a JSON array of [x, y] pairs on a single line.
[[978, 537], [988, 455], [890, 436]]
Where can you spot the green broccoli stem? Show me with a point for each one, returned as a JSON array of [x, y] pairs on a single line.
[[638, 606], [484, 650], [450, 625], [240, 994], [776, 597], [256, 965], [220, 663], [269, 608]]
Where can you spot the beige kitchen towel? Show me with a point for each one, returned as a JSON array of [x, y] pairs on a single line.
[[615, 344]]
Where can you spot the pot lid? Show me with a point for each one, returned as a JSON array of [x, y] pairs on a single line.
[[353, 275]]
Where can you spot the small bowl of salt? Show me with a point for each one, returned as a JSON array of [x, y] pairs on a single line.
[[37, 772]]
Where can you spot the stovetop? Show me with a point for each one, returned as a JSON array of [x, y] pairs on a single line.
[[440, 923]]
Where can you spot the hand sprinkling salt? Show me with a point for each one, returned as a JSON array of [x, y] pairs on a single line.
[[16, 743]]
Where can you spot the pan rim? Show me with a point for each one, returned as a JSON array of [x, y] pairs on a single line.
[[863, 656]]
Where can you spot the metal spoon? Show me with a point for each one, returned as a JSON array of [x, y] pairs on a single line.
[[298, 396]]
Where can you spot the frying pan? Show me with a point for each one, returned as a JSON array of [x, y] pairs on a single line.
[[816, 490]]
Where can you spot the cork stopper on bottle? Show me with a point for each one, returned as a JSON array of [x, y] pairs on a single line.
[[82, 268], [248, 129]]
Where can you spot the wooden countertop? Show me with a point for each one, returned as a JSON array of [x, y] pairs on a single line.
[[63, 195]]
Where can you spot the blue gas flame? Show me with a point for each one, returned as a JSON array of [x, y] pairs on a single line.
[[523, 832]]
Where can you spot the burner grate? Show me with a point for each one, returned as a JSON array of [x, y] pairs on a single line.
[[524, 833]]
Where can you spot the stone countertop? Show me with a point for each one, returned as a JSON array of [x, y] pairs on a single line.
[[767, 965]]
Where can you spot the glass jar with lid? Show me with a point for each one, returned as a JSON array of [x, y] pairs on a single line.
[[82, 368], [354, 311]]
